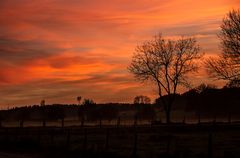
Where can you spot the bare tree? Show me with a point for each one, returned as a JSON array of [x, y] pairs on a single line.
[[142, 100], [230, 36], [167, 64], [227, 65]]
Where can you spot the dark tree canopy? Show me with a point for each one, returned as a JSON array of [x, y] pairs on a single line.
[[42, 103], [79, 98], [227, 65], [166, 63], [142, 100], [87, 102], [233, 84]]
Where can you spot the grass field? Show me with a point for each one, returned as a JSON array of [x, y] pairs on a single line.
[[144, 141]]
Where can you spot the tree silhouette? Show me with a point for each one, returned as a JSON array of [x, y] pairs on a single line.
[[79, 98], [42, 103], [87, 102], [233, 84], [166, 63], [227, 65], [142, 100], [204, 87]]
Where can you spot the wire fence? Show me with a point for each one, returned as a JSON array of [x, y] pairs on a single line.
[[180, 141], [118, 122]]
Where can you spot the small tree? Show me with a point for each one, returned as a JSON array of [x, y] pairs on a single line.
[[87, 102], [227, 65], [142, 100], [166, 63], [79, 98], [42, 103]]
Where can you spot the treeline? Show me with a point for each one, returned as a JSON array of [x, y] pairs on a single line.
[[205, 100], [208, 101], [212, 101], [90, 112]]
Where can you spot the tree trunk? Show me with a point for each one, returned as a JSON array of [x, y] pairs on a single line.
[[167, 104], [168, 117]]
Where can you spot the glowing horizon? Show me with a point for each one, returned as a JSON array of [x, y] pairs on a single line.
[[59, 49]]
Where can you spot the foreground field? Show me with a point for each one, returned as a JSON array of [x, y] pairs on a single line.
[[177, 140]]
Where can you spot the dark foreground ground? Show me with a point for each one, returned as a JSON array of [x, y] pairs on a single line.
[[162, 141]]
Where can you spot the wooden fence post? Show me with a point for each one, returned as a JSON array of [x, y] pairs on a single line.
[[134, 154], [82, 122], [6, 135], [21, 123], [44, 123], [39, 135], [135, 121], [62, 122], [184, 119], [210, 152], [214, 119], [229, 118], [52, 136], [151, 122], [16, 134], [100, 123], [107, 140], [169, 137], [199, 119], [68, 138], [85, 140], [118, 122]]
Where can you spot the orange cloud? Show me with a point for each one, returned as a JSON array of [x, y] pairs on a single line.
[[57, 49]]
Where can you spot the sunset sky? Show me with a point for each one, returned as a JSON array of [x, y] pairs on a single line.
[[59, 49]]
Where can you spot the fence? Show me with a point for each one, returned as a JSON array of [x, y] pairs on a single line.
[[136, 141], [117, 122]]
